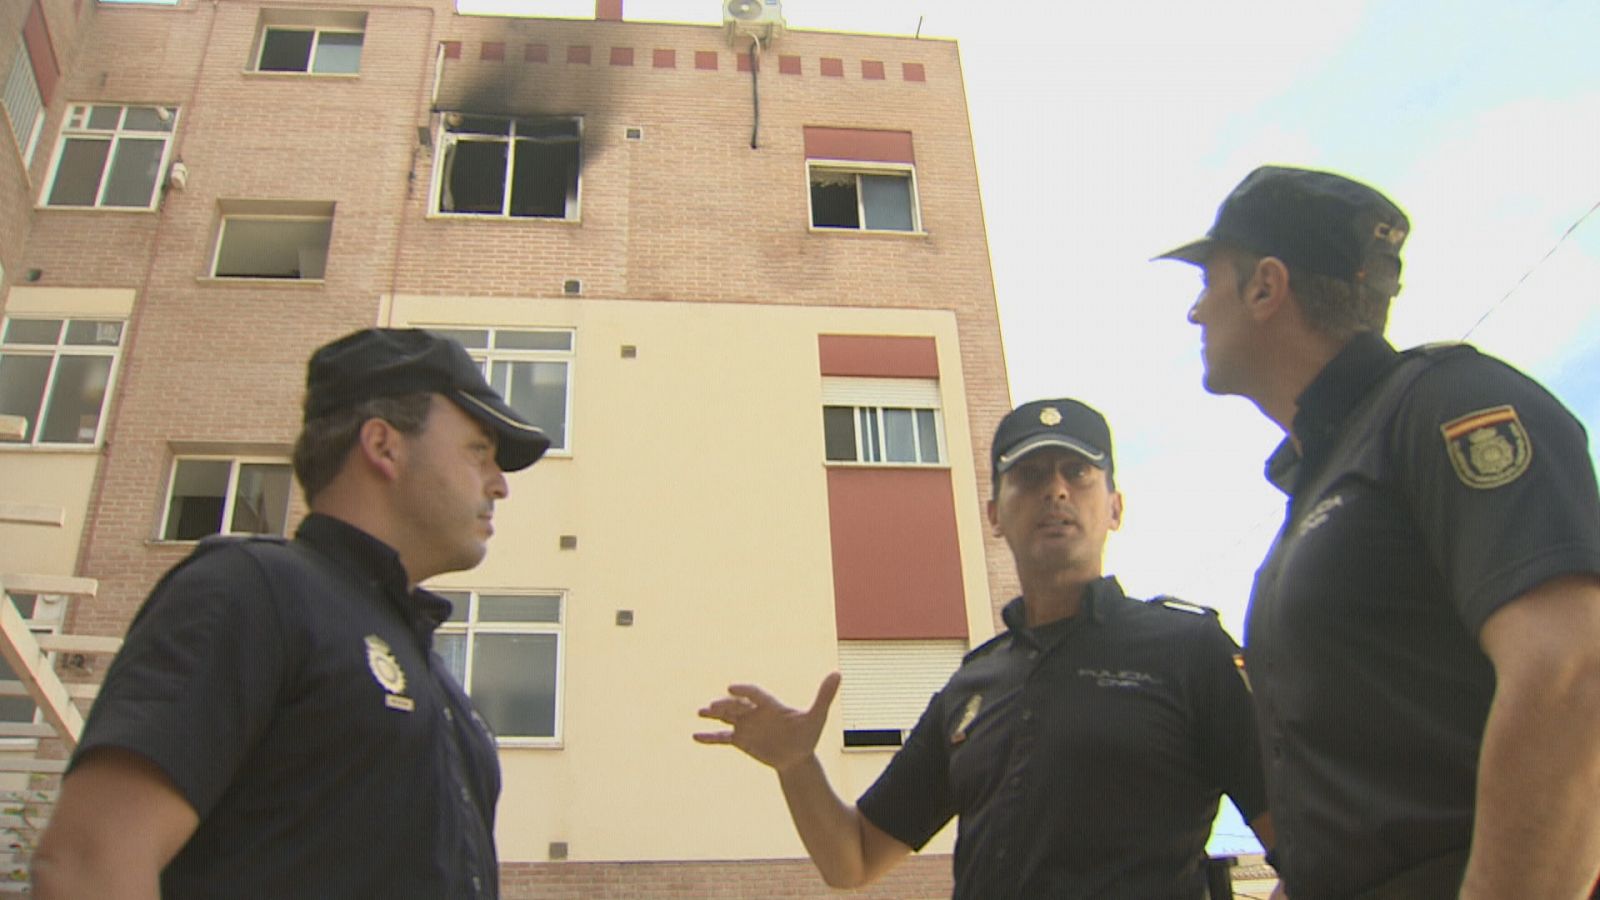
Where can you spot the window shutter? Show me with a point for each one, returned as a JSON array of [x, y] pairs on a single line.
[[887, 683], [894, 392]]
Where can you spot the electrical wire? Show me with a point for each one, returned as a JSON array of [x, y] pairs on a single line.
[[755, 93], [1534, 268]]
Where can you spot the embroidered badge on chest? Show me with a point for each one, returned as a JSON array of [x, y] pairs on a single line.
[[386, 670], [1488, 448], [974, 703]]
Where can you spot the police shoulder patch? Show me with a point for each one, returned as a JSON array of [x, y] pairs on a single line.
[[1193, 609], [1488, 448]]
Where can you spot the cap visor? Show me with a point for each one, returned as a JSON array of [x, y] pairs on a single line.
[[1008, 459], [1196, 252], [519, 444]]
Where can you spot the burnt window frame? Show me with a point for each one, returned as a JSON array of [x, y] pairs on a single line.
[[444, 160], [855, 170]]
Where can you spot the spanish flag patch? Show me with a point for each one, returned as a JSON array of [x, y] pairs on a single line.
[[1488, 448]]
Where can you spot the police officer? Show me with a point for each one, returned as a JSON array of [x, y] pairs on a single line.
[[1084, 749], [1424, 634], [276, 724]]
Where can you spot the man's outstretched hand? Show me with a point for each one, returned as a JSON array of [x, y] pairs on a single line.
[[778, 735]]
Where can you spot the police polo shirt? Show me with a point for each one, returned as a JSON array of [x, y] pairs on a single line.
[[1436, 486], [289, 691], [1085, 758]]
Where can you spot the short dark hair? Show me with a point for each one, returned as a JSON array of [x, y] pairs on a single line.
[[1335, 307], [325, 441]]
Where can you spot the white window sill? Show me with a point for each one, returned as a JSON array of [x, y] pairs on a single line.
[[296, 76], [436, 216], [854, 750], [143, 210], [856, 464], [19, 446], [518, 743], [257, 282], [876, 232]]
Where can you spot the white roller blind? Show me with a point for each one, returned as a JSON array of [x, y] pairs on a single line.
[[900, 392], [887, 683]]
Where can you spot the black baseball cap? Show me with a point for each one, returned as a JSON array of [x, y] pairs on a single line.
[[1317, 221], [387, 362], [1051, 423]]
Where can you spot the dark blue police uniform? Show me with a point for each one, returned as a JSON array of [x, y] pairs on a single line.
[[290, 692], [1435, 487], [1085, 758]]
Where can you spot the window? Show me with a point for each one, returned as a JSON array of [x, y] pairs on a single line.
[[316, 43], [43, 614], [530, 368], [221, 495], [887, 685], [111, 157], [511, 168], [868, 199], [505, 649], [882, 420], [23, 103], [273, 239], [56, 374]]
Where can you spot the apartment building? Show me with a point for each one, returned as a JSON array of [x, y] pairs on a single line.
[[747, 294]]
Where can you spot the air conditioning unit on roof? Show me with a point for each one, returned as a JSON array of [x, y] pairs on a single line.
[[761, 19]]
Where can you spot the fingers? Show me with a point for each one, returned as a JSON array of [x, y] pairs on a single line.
[[727, 709], [825, 694], [713, 737], [753, 694]]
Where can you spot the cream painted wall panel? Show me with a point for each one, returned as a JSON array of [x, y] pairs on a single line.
[[709, 521], [84, 302], [62, 479]]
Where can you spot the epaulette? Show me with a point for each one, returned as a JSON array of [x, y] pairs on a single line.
[[1193, 609], [218, 541], [1438, 348], [985, 647]]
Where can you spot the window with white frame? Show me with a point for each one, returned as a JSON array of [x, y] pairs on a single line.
[[882, 420], [863, 196], [56, 374], [508, 167], [23, 103], [273, 239], [312, 42], [887, 684], [225, 495], [530, 368], [43, 614], [111, 157], [505, 649]]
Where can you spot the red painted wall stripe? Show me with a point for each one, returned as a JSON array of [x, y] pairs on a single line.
[[878, 356], [861, 144], [896, 559], [41, 52]]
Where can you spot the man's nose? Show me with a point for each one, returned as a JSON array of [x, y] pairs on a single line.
[[499, 488]]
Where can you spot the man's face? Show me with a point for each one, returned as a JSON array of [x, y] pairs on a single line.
[[447, 488], [1224, 325], [1055, 509]]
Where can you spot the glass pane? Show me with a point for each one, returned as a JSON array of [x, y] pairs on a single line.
[[261, 500], [474, 178], [887, 200], [285, 51], [338, 54], [22, 381], [467, 337], [83, 161], [459, 601], [14, 709], [148, 118], [198, 489], [33, 331], [537, 390], [928, 435], [514, 683], [545, 178], [91, 333], [25, 603], [135, 170], [515, 608], [452, 648], [273, 248], [73, 413], [105, 117], [833, 202], [899, 435], [839, 433], [533, 340], [868, 420]]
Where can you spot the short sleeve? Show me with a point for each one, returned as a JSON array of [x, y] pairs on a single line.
[[1225, 721], [912, 800], [1498, 475], [197, 678]]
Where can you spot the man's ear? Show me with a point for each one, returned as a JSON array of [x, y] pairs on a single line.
[[1267, 289], [1116, 510], [381, 447], [994, 518]]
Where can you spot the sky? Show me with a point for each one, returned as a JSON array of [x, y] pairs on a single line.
[[1106, 133]]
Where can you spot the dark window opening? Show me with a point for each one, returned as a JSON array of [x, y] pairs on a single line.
[[522, 168], [283, 50], [839, 433], [873, 737], [833, 202]]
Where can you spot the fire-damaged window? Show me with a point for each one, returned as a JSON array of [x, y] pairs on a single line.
[[509, 167]]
